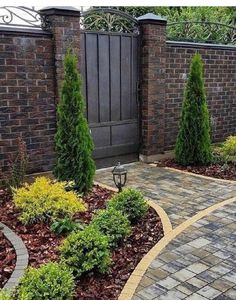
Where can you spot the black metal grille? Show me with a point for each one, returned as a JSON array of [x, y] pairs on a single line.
[[109, 20]]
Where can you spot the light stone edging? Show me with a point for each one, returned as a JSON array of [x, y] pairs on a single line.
[[22, 257]]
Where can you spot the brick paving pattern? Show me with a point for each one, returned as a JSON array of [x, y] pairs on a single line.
[[200, 263], [180, 195]]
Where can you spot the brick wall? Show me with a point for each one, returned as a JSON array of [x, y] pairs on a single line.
[[27, 105], [152, 80], [220, 83], [31, 72]]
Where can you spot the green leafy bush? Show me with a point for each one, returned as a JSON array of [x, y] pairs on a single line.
[[113, 223], [44, 200], [74, 144], [50, 281], [65, 226], [5, 295], [85, 251], [131, 203], [228, 149], [193, 145]]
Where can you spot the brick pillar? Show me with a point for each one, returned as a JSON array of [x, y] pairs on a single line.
[[64, 24], [153, 63]]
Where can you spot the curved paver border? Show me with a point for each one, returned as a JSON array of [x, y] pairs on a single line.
[[133, 281], [22, 256]]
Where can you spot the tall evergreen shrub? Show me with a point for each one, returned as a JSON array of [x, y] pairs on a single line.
[[74, 145], [193, 146]]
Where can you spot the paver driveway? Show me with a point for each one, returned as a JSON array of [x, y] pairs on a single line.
[[200, 262], [180, 195]]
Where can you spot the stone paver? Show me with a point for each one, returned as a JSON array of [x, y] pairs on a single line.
[[22, 256], [173, 190], [200, 263], [205, 278]]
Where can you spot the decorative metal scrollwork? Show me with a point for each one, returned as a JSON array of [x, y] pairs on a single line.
[[20, 16], [197, 31], [109, 20]]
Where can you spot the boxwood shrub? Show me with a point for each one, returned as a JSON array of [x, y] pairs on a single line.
[[50, 281], [85, 251], [113, 223], [131, 202], [5, 295]]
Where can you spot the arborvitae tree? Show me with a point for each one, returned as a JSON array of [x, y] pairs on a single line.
[[74, 144], [193, 146]]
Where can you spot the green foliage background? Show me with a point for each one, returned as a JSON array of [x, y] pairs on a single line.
[[197, 32]]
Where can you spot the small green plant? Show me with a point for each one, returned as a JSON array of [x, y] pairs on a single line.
[[44, 200], [74, 144], [193, 145], [85, 251], [5, 295], [65, 226], [228, 149], [113, 223], [50, 281], [17, 167], [131, 203]]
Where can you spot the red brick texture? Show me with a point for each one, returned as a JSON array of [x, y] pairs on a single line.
[[65, 30], [27, 105], [220, 83], [153, 63], [31, 72]]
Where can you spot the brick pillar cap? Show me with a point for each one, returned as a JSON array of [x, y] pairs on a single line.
[[151, 19], [60, 11]]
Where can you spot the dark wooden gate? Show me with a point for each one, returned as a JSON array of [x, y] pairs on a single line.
[[109, 67]]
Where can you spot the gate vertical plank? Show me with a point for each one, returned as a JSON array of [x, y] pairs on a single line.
[[115, 77], [82, 68], [92, 77], [104, 80], [134, 107], [125, 78]]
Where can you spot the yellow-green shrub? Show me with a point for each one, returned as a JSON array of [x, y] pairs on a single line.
[[229, 147], [49, 282], [44, 200], [4, 295]]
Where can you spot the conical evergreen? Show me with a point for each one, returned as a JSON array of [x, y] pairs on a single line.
[[193, 146], [74, 145]]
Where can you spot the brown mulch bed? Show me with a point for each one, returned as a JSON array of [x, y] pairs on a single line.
[[213, 170], [42, 245]]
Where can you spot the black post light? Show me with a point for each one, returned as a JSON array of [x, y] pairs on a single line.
[[119, 176]]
